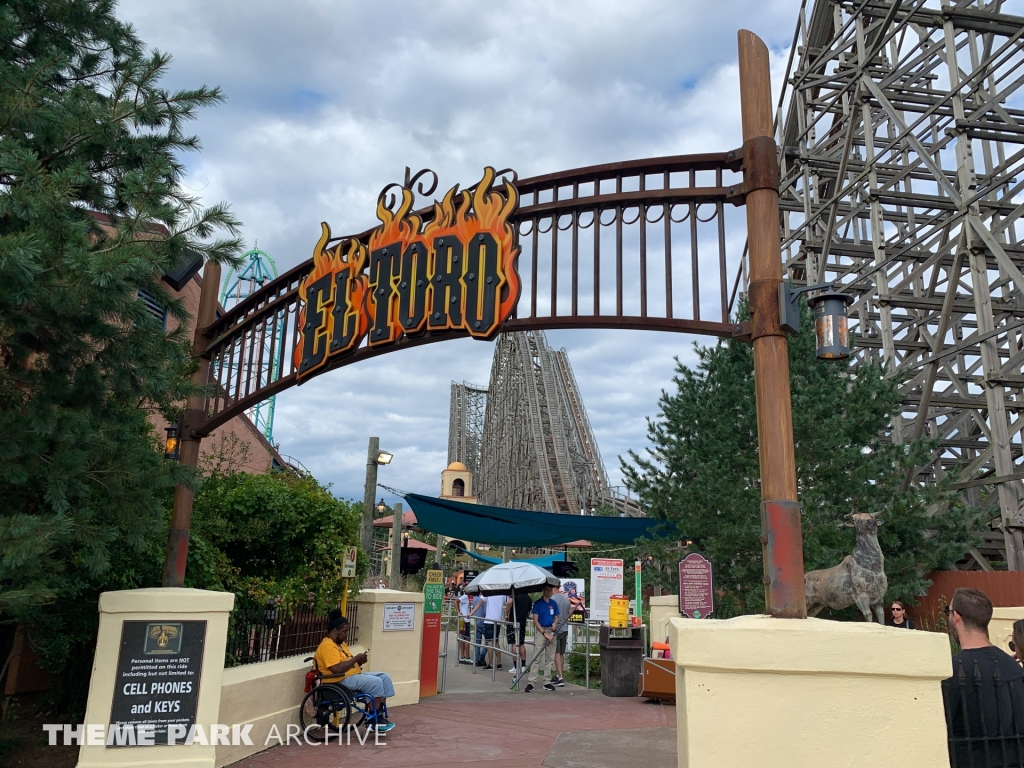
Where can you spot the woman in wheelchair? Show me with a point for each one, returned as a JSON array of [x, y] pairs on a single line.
[[339, 667]]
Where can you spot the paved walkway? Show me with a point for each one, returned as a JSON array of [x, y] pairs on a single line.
[[489, 726]]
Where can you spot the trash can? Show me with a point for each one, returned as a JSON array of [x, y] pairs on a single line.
[[622, 652]]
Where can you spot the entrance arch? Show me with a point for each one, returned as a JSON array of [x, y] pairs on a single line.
[[599, 228], [327, 300]]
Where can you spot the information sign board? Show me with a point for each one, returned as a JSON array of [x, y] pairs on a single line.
[[399, 617], [348, 562], [605, 581], [696, 587], [433, 592], [158, 673]]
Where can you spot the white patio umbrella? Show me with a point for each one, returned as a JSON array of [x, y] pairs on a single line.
[[513, 576], [509, 578]]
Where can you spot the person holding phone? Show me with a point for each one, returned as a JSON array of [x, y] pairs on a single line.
[[338, 665]]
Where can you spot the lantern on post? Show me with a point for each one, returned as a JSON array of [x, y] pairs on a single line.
[[172, 443], [831, 325]]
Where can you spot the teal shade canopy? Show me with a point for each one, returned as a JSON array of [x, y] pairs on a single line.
[[521, 528]]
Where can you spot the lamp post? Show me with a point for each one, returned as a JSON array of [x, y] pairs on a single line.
[[375, 457], [781, 536], [396, 546], [186, 450]]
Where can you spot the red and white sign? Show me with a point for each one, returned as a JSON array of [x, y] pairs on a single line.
[[605, 581], [696, 587]]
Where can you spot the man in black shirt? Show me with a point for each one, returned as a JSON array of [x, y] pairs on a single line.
[[518, 613], [984, 698]]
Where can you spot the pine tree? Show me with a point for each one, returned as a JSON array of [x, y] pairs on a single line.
[[92, 211], [701, 472]]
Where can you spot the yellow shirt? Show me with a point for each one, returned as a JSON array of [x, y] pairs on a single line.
[[330, 653]]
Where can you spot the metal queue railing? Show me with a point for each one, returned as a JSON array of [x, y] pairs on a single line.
[[590, 631]]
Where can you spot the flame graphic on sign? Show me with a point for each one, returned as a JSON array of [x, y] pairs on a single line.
[[477, 211], [331, 261]]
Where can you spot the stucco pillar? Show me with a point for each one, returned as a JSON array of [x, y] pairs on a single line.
[[395, 651], [186, 608], [1000, 629], [804, 693], [663, 608]]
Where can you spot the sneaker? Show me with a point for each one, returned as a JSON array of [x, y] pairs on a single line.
[[513, 671], [499, 666], [529, 687], [559, 682], [489, 667], [481, 663], [383, 727], [548, 687]]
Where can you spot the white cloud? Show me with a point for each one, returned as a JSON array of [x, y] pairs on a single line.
[[327, 102]]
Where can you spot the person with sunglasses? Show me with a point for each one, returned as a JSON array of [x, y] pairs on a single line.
[[899, 617]]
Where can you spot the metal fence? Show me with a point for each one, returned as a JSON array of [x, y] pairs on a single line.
[[265, 633], [984, 717]]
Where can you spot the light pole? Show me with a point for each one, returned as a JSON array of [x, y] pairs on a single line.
[[183, 444], [374, 457], [396, 546]]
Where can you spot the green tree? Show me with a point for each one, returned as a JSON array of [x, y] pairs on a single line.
[[701, 472], [91, 212], [274, 536]]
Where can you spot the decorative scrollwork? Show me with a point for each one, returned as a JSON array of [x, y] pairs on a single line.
[[627, 221], [505, 171], [389, 199], [685, 206], [661, 213], [714, 212], [420, 190]]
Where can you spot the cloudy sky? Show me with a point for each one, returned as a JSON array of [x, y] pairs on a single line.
[[329, 101]]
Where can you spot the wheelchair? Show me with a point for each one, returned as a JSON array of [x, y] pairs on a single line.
[[331, 707]]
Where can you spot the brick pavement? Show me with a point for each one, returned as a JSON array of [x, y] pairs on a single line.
[[501, 729]]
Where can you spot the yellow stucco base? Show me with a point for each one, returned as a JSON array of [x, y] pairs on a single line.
[[806, 693], [1000, 629], [663, 608], [269, 693], [157, 605]]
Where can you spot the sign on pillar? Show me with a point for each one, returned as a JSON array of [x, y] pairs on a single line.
[[696, 587], [433, 604], [154, 695]]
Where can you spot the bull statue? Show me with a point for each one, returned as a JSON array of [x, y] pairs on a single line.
[[858, 580]]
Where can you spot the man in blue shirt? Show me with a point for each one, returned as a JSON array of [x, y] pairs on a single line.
[[545, 619]]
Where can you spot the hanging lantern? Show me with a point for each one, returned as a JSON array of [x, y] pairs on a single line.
[[172, 444], [831, 325]]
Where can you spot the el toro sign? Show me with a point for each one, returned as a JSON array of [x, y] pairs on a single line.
[[456, 272]]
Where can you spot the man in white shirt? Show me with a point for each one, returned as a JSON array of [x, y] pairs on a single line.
[[492, 609], [466, 605]]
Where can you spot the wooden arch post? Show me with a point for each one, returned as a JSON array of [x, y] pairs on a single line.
[[781, 536]]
